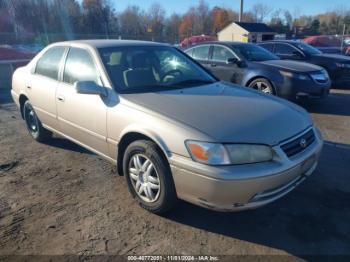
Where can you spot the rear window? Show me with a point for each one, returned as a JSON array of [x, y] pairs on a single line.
[[48, 65]]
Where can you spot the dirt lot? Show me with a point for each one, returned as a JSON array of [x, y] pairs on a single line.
[[62, 199]]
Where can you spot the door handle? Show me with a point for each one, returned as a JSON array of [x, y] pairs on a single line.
[[29, 87], [213, 65], [60, 98]]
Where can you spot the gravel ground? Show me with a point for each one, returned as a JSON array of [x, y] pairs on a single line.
[[61, 199]]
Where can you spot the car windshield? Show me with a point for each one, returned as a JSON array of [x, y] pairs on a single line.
[[308, 49], [252, 52], [151, 68]]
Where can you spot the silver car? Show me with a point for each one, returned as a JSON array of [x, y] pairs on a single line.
[[174, 130]]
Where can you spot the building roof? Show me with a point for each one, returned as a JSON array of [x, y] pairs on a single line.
[[255, 27]]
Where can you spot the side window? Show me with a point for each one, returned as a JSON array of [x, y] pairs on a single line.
[[201, 52], [222, 54], [267, 47], [49, 64], [189, 52], [79, 67], [282, 49]]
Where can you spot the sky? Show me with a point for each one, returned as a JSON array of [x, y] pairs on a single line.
[[296, 7]]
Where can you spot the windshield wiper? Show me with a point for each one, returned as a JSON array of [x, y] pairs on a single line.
[[193, 82]]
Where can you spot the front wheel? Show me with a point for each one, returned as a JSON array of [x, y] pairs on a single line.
[[34, 126], [263, 85], [149, 178]]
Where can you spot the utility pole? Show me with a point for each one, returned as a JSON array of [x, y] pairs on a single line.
[[342, 39], [241, 12]]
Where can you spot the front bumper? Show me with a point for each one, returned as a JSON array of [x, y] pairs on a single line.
[[240, 187], [292, 88], [340, 77]]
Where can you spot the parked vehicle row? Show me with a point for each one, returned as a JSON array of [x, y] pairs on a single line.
[[173, 129], [329, 44], [253, 66], [337, 66]]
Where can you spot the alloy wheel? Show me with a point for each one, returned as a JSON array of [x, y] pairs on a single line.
[[144, 178], [263, 87]]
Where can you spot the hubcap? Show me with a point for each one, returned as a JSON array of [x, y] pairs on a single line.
[[263, 87], [144, 178], [31, 120]]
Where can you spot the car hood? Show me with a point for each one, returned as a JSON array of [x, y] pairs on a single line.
[[227, 113], [291, 65], [334, 57]]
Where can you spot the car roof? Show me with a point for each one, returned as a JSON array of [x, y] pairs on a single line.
[[105, 43], [281, 41], [226, 43]]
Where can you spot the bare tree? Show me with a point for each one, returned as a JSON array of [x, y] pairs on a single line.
[[155, 22], [132, 23], [172, 27], [260, 12]]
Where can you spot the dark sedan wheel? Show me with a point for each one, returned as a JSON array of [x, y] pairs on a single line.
[[149, 178], [263, 85], [34, 126]]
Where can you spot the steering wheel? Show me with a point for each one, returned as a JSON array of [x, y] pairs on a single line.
[[172, 74]]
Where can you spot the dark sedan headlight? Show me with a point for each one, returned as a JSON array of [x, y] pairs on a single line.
[[343, 65], [228, 154], [299, 76], [320, 76]]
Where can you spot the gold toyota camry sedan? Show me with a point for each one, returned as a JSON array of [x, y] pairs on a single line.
[[173, 129]]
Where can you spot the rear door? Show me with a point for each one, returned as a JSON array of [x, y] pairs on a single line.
[[82, 116], [200, 54], [41, 86], [221, 68]]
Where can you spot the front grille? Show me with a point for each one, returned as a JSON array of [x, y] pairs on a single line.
[[299, 144]]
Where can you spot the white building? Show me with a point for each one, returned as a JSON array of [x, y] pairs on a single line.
[[246, 32]]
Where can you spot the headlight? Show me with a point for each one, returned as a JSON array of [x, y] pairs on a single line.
[[245, 154], [234, 154], [342, 65], [294, 75], [208, 153]]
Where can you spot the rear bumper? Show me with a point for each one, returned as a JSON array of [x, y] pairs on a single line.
[[235, 188], [15, 97]]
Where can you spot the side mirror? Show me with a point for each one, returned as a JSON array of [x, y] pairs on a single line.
[[90, 88], [232, 60]]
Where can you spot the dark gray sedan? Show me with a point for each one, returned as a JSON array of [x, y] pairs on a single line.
[[337, 66], [252, 66]]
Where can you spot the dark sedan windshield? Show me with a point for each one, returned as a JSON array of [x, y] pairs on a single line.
[[151, 68], [308, 49], [252, 52]]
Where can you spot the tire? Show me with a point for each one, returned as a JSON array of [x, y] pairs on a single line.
[[263, 85], [150, 176], [34, 126]]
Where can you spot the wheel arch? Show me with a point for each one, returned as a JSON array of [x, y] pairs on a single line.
[[22, 99], [248, 82], [131, 136]]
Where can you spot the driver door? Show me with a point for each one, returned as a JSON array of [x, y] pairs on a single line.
[[285, 51], [82, 117], [229, 72]]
